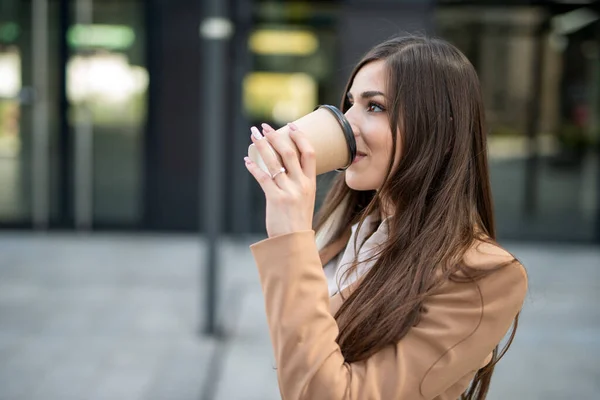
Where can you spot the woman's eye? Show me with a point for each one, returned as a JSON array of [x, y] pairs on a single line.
[[374, 107]]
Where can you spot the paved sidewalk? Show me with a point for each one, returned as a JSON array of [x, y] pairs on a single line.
[[116, 317]]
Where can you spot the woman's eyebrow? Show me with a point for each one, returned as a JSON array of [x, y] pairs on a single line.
[[368, 94], [371, 93]]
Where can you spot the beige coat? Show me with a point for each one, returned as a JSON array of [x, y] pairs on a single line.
[[462, 323]]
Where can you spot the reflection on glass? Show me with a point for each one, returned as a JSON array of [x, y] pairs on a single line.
[[10, 86], [288, 42], [10, 141], [107, 91], [10, 71], [279, 97], [111, 87], [545, 187]]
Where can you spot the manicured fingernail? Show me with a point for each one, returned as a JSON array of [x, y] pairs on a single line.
[[267, 128], [293, 126], [247, 159], [256, 133]]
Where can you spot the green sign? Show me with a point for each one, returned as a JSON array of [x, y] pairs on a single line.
[[112, 37]]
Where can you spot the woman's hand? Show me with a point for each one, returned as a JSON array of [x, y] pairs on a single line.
[[289, 191]]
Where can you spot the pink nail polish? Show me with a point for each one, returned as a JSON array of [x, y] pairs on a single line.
[[256, 133], [267, 127]]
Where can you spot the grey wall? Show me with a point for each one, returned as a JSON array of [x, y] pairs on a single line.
[[364, 23]]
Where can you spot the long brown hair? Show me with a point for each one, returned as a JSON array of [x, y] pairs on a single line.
[[440, 191]]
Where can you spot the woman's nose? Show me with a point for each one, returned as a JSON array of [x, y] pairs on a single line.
[[353, 124]]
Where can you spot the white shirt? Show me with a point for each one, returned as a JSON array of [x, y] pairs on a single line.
[[334, 270]]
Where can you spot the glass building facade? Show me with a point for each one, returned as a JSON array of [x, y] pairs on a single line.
[[73, 108], [101, 104]]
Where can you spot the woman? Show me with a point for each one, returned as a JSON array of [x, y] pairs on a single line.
[[402, 293]]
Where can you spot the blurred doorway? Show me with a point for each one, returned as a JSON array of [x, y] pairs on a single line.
[[106, 88], [72, 113], [539, 69], [29, 122]]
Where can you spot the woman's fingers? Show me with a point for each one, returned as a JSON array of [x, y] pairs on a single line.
[[285, 149], [267, 153], [307, 152], [275, 169], [265, 181]]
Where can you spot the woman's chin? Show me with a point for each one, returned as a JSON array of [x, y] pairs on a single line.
[[356, 181]]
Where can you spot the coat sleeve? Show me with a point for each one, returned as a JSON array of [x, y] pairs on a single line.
[[461, 324]]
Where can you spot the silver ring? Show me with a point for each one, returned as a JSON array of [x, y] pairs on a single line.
[[281, 171]]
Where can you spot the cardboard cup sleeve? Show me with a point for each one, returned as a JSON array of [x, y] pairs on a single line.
[[330, 133]]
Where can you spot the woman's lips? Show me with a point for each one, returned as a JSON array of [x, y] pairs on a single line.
[[359, 156]]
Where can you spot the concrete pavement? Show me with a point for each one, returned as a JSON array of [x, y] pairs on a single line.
[[117, 317]]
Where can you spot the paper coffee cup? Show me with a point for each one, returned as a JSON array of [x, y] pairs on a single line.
[[330, 135]]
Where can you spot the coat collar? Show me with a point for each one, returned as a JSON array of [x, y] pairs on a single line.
[[327, 254]]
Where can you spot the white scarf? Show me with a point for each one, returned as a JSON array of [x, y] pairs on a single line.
[[335, 271]]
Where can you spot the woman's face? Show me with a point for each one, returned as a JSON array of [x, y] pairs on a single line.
[[370, 122]]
